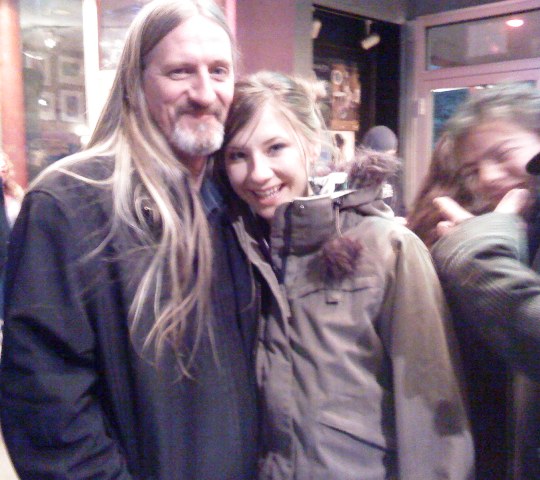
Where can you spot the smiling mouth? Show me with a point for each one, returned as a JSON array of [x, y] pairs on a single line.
[[268, 193]]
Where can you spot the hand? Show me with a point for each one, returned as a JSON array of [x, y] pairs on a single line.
[[515, 201], [453, 213]]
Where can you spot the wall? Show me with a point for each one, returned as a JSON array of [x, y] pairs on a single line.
[[12, 94], [416, 8], [274, 35], [388, 10]]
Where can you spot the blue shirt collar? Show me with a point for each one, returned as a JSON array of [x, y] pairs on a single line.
[[211, 197]]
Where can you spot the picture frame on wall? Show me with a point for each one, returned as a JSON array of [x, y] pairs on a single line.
[[70, 70], [341, 108], [46, 70], [47, 106], [40, 62], [72, 106]]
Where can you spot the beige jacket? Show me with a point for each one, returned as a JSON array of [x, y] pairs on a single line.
[[356, 360]]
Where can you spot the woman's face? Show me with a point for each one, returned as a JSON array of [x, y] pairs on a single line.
[[496, 153], [265, 163]]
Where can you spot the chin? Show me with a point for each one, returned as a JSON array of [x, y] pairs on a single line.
[[266, 214]]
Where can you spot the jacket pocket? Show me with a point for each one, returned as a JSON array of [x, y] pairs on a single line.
[[363, 420], [352, 443]]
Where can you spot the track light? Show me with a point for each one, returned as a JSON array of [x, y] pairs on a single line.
[[316, 26], [372, 39]]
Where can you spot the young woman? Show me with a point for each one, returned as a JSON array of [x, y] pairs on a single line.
[[355, 356], [480, 157]]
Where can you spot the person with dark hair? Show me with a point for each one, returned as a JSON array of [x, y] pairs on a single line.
[[356, 363], [129, 305], [481, 157], [382, 139]]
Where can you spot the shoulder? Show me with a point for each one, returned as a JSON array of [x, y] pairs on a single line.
[[69, 183], [75, 196], [491, 232], [382, 230]]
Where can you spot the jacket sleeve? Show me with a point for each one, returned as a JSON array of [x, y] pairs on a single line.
[[433, 434], [52, 417], [495, 294]]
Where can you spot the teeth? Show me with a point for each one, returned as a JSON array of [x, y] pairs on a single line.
[[266, 193]]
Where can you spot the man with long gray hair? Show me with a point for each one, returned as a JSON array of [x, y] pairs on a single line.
[[130, 316]]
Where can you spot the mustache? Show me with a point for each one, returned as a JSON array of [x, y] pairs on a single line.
[[195, 109]]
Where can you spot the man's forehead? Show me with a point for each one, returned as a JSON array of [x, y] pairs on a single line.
[[198, 28], [196, 35]]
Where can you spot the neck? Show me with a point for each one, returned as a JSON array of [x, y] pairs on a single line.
[[196, 167]]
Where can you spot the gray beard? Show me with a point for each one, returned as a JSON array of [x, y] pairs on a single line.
[[202, 141]]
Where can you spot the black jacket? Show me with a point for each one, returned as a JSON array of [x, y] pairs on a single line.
[[79, 398], [497, 297]]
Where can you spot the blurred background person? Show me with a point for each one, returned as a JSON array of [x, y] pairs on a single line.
[[480, 157], [10, 204], [382, 139], [13, 192]]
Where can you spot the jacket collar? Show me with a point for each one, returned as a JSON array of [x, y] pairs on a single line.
[[307, 223]]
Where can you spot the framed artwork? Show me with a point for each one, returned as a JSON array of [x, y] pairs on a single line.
[[40, 62], [345, 88], [72, 106], [47, 70], [341, 108], [47, 106], [70, 70]]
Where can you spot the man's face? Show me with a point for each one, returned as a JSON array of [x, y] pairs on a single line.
[[188, 83]]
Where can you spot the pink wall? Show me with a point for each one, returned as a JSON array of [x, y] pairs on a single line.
[[12, 93], [265, 31]]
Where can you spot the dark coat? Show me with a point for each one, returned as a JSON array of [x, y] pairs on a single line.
[[497, 297], [80, 399]]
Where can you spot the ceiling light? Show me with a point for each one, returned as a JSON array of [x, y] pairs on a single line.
[[61, 11], [515, 22], [50, 42], [371, 39], [315, 28]]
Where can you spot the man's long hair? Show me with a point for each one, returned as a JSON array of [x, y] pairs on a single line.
[[149, 180]]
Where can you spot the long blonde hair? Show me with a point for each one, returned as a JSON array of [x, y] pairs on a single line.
[[148, 177]]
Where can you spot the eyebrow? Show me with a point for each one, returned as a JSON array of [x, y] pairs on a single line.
[[491, 150]]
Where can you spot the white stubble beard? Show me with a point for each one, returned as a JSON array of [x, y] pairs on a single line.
[[203, 140]]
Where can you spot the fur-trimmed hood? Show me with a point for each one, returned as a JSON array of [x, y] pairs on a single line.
[[368, 168]]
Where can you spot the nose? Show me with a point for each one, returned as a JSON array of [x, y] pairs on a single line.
[[489, 172], [202, 90], [260, 169]]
